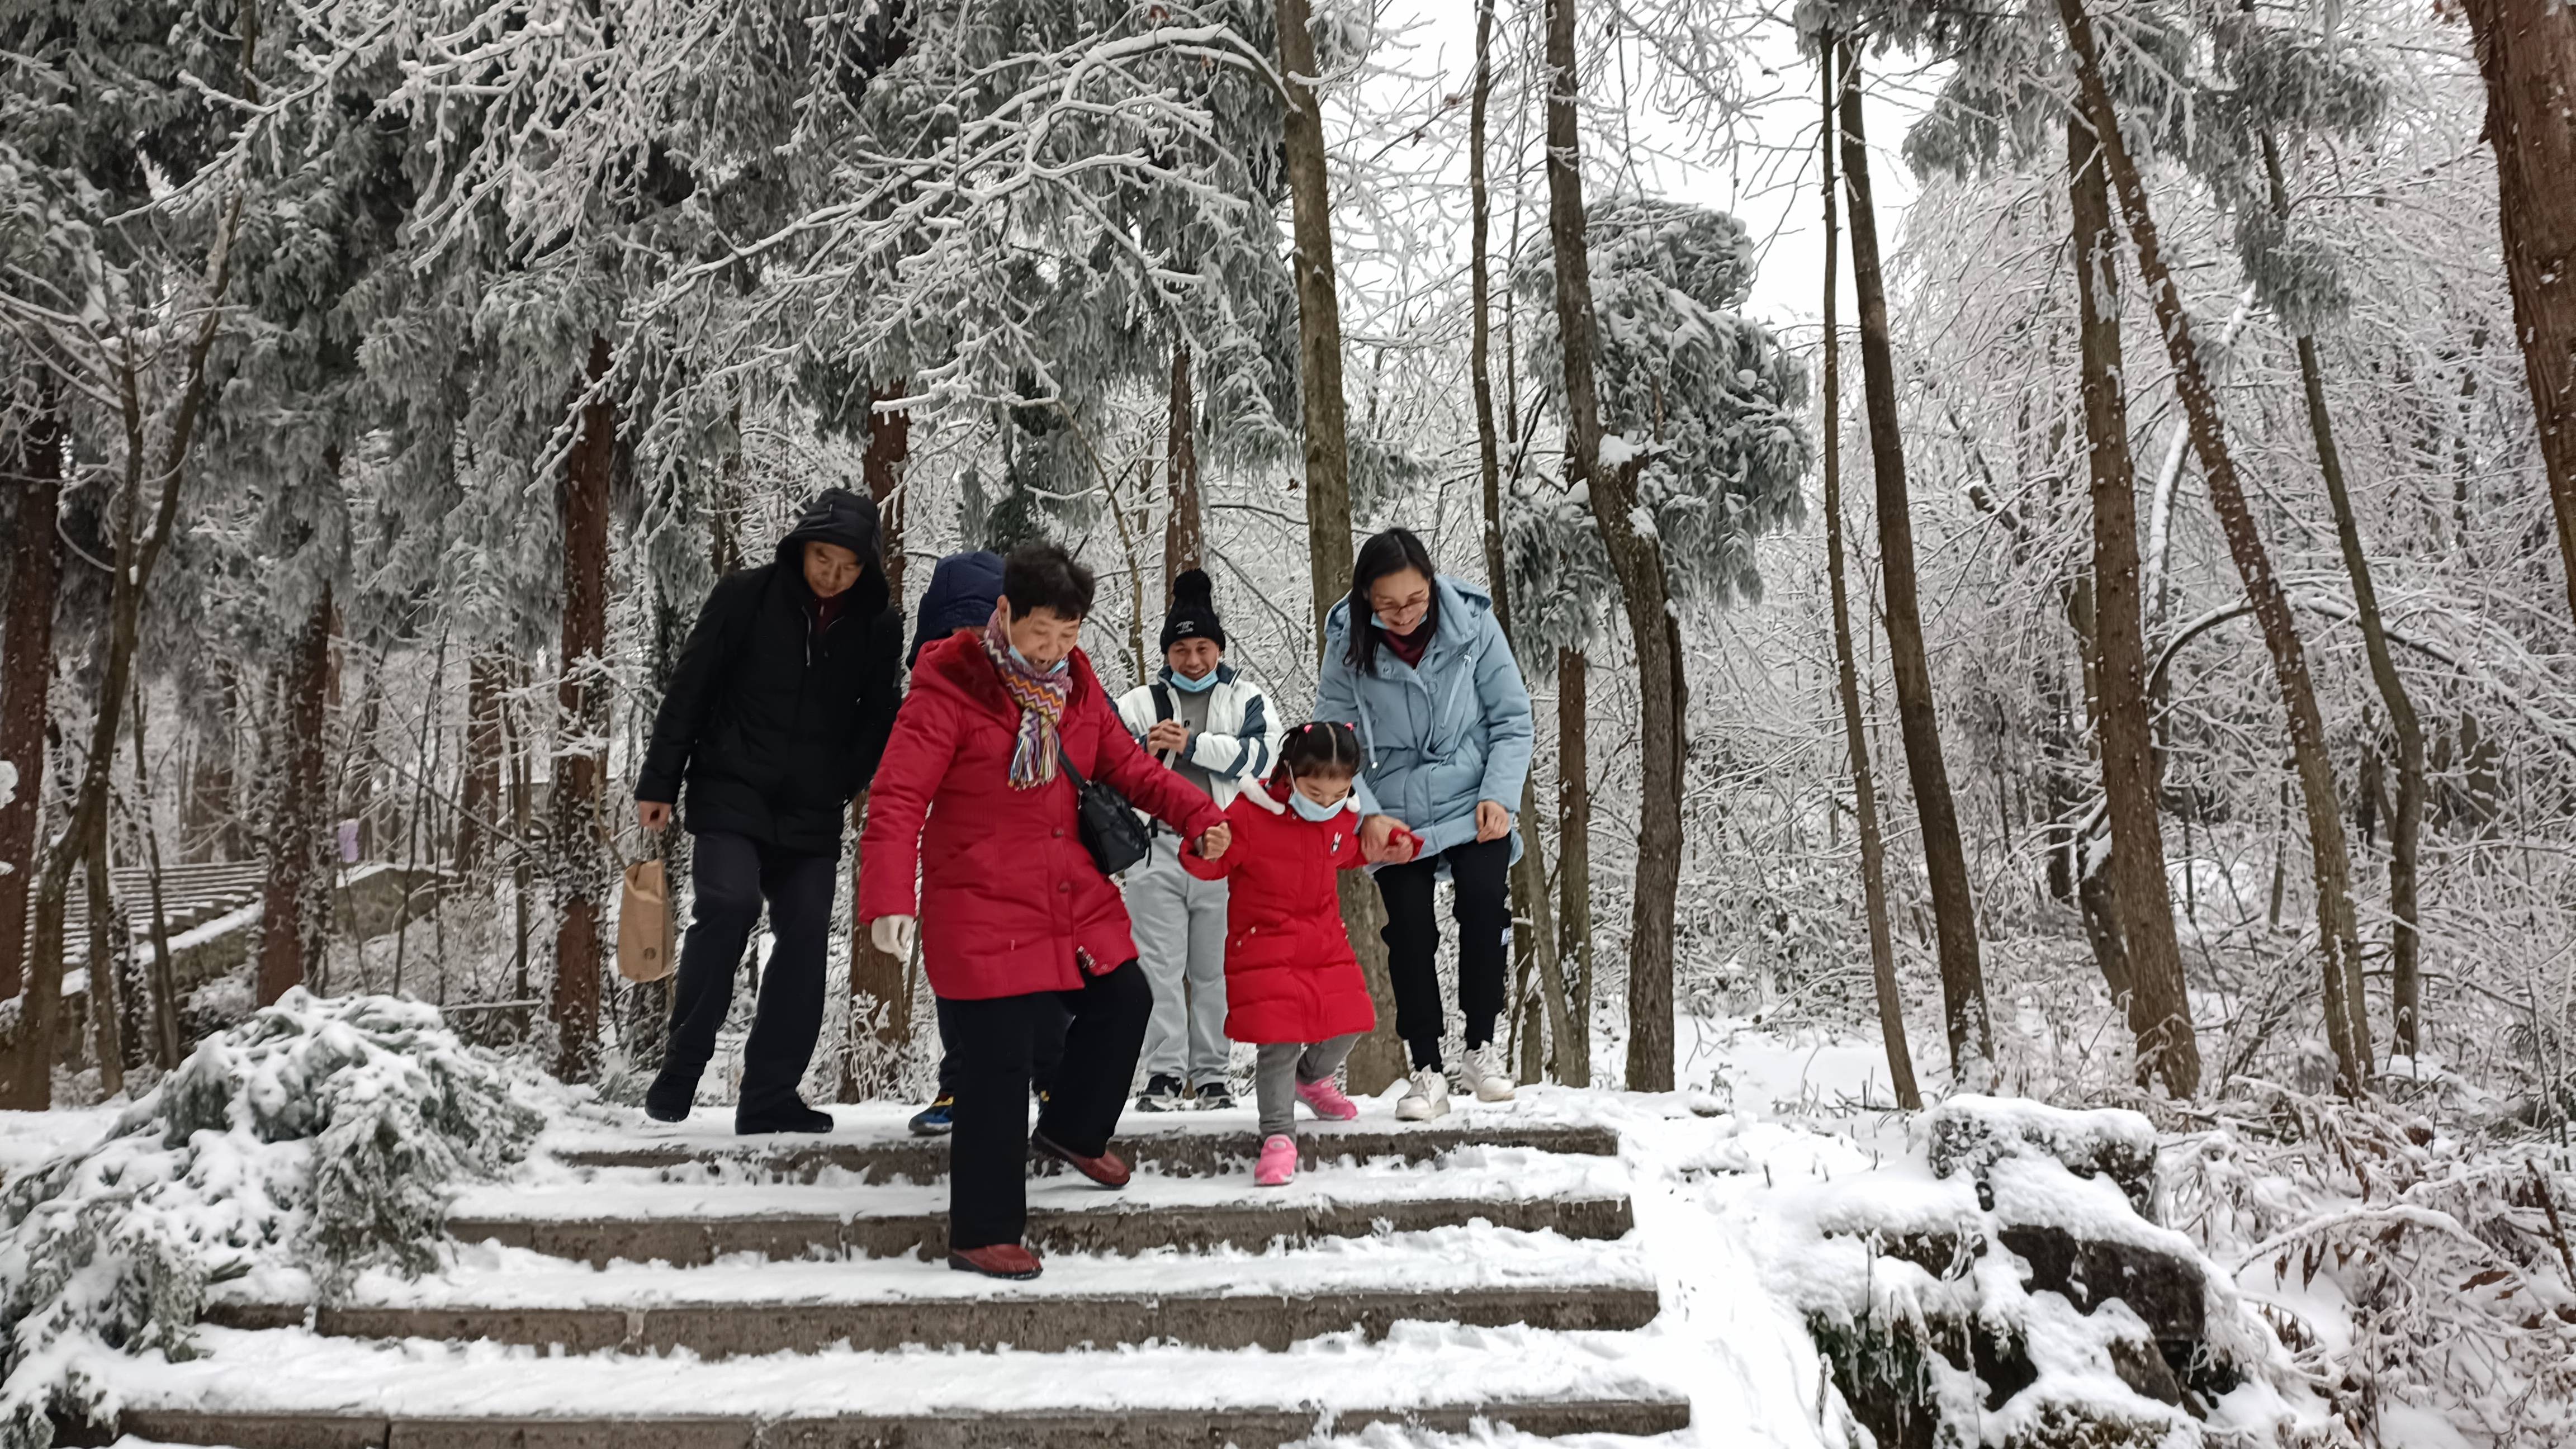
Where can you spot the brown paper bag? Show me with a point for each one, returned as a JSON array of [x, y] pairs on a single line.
[[644, 935]]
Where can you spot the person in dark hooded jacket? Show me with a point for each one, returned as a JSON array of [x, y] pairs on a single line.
[[775, 718]]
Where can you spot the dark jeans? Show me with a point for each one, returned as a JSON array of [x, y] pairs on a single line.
[[731, 874], [1046, 1051], [1481, 873], [992, 1048]]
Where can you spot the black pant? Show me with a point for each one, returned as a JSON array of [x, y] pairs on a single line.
[[1481, 873], [1046, 1051], [993, 1044], [731, 874]]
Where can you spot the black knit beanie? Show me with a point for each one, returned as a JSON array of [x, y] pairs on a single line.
[[1193, 614]]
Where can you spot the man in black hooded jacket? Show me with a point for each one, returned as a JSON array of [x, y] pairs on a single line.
[[775, 718]]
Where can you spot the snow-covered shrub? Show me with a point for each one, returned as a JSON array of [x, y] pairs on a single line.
[[2415, 1258], [325, 1133]]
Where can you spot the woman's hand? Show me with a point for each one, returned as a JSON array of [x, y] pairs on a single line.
[[653, 814], [1213, 845], [1375, 832], [1493, 822], [892, 936]]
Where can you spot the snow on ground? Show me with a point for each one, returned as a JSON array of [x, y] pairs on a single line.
[[1713, 1171], [27, 1138]]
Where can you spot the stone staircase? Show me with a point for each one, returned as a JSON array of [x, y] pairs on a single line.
[[703, 1292]]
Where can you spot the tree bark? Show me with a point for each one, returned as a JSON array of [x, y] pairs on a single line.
[[869, 1064], [1963, 984], [2527, 53], [1638, 561], [2406, 820], [582, 700], [35, 580], [296, 898], [1873, 848], [480, 807], [1379, 1058], [2347, 1028], [161, 979], [2141, 904], [1534, 925], [1574, 850], [1184, 527]]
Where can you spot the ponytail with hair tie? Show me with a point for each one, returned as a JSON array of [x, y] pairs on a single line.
[[1315, 747]]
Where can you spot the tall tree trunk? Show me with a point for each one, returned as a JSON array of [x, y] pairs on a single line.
[[1873, 849], [2347, 1028], [582, 700], [35, 578], [1574, 850], [162, 979], [1379, 1058], [295, 902], [1638, 561], [1184, 528], [480, 808], [2527, 52], [1963, 982], [2406, 820], [1534, 930], [2141, 905], [869, 1064]]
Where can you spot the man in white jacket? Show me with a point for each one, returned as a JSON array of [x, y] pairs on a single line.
[[1212, 725]]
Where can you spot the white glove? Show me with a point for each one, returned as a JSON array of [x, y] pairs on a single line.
[[892, 935]]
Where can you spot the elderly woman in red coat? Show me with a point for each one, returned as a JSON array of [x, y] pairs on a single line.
[[972, 795]]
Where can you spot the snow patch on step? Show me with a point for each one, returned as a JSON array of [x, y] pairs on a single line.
[[1416, 1366]]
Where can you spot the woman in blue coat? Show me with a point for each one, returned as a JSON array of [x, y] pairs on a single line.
[[1418, 661]]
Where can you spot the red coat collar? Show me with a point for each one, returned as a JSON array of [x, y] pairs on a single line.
[[959, 662]]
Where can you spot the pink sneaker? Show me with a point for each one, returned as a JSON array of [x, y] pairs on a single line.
[[1327, 1100], [1278, 1164]]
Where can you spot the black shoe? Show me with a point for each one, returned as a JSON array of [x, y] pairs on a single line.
[[794, 1117], [936, 1120], [1162, 1094], [1212, 1096], [670, 1096]]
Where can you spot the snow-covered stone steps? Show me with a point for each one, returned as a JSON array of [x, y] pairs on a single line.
[[292, 1389], [1160, 1428], [1042, 1324], [1108, 1225], [1199, 1145]]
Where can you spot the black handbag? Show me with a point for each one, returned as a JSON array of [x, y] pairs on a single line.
[[1108, 824]]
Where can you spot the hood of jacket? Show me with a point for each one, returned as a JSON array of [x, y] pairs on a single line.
[[962, 591], [840, 516]]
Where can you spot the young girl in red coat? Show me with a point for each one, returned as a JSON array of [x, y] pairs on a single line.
[[1292, 985]]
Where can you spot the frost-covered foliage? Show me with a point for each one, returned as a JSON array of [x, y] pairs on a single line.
[[1702, 401], [2414, 1259], [325, 1134]]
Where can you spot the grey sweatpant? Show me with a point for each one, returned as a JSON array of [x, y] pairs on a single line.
[[1286, 1063], [1179, 923]]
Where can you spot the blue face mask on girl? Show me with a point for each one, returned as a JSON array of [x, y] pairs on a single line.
[[1309, 810]]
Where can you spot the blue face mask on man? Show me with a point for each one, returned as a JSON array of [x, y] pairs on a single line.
[[1309, 810], [1187, 685]]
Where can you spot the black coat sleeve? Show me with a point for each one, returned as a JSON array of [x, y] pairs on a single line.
[[880, 695], [686, 705]]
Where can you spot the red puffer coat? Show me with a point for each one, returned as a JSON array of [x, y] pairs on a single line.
[[1289, 971], [1007, 891]]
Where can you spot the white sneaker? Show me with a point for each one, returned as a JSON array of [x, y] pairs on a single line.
[[1426, 1098], [1483, 1075]]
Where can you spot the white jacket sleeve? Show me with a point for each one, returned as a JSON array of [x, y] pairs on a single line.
[[1246, 753]]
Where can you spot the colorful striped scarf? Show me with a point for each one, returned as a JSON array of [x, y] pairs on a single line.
[[1041, 700]]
